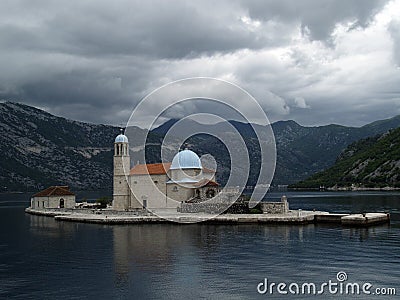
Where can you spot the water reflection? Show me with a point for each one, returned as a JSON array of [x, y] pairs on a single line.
[[159, 248], [48, 226], [153, 261], [364, 233]]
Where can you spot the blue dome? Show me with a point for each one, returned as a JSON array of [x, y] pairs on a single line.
[[186, 159], [121, 139]]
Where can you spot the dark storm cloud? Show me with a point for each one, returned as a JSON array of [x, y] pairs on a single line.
[[93, 60], [77, 51], [156, 28], [319, 17]]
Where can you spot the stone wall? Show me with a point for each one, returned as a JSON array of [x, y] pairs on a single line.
[[131, 212], [212, 208], [241, 206], [205, 193], [274, 207], [224, 202]]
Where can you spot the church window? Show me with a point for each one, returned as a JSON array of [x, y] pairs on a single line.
[[210, 193]]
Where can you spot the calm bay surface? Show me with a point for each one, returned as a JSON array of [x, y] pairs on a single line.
[[41, 258]]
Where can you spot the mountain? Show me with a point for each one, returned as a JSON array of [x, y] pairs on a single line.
[[371, 162], [377, 127], [39, 149], [301, 151]]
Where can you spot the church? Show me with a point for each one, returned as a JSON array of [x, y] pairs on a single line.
[[160, 185]]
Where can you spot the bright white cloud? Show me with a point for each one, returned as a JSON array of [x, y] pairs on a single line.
[[300, 102]]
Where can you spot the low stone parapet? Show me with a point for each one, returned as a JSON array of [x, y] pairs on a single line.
[[212, 208], [274, 207], [87, 211]]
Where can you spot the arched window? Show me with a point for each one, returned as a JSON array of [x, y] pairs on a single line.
[[210, 193], [144, 199], [61, 203]]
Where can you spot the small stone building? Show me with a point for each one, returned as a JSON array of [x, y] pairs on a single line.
[[281, 207], [53, 197]]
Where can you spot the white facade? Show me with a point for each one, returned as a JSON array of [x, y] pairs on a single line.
[[53, 197], [53, 202], [163, 185]]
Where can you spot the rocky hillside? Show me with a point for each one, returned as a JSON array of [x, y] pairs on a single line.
[[301, 151], [371, 162], [39, 149]]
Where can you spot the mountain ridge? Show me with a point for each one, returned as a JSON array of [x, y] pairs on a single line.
[[373, 162], [40, 149], [301, 151]]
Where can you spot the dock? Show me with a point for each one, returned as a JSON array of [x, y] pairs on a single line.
[[366, 219], [305, 217], [329, 218], [291, 217]]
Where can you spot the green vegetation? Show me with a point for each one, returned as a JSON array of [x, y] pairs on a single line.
[[372, 162], [256, 210], [103, 201]]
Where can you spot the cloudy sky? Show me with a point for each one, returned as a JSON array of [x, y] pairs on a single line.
[[314, 61]]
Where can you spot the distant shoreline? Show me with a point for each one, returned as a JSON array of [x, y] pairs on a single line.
[[346, 188], [292, 189], [75, 190]]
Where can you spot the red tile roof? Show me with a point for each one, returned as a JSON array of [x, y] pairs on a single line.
[[152, 169], [205, 182], [55, 191], [206, 170], [156, 169]]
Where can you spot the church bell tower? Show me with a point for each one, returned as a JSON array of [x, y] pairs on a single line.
[[121, 191]]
